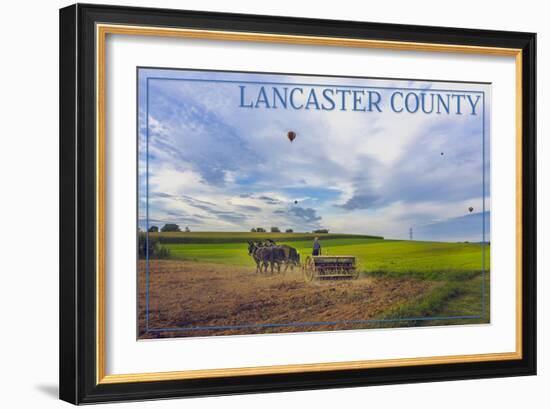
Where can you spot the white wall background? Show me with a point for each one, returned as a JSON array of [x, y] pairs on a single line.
[[29, 175]]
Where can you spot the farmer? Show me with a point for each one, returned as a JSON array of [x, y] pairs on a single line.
[[316, 247]]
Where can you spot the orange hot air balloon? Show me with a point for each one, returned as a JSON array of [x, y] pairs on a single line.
[[291, 136]]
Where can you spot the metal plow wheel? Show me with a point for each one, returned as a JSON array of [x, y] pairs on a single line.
[[330, 268]]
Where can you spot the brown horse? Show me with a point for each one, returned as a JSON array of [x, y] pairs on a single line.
[[271, 253], [265, 255]]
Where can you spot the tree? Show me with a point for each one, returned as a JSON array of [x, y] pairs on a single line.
[[187, 230], [322, 231], [275, 229], [153, 229], [260, 229], [289, 231], [150, 247], [253, 230], [170, 227]]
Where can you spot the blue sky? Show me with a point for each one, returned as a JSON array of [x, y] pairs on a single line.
[[216, 167]]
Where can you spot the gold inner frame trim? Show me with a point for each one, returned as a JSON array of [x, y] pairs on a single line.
[[101, 33]]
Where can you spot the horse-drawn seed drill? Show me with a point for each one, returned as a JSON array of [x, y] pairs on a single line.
[[318, 267]]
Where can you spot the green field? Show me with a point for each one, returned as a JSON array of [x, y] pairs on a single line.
[[429, 260], [456, 266]]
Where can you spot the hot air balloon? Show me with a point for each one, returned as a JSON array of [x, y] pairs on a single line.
[[471, 209], [291, 136], [441, 153], [295, 202]]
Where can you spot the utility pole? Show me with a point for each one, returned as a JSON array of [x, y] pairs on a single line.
[[410, 233]]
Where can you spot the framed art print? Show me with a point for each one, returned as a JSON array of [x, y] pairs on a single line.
[[272, 203], [254, 203]]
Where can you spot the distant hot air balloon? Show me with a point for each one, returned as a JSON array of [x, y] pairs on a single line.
[[441, 153], [291, 136], [471, 209], [295, 202]]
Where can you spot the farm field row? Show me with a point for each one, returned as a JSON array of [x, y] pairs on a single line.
[[429, 260], [243, 237]]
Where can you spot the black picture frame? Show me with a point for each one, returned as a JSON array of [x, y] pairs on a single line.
[[78, 258]]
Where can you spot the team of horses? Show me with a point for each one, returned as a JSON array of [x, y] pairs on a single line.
[[270, 254]]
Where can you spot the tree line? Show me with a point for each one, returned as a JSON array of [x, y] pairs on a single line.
[[275, 229], [168, 227], [172, 227]]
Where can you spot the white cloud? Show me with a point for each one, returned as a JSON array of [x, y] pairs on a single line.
[[360, 172]]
